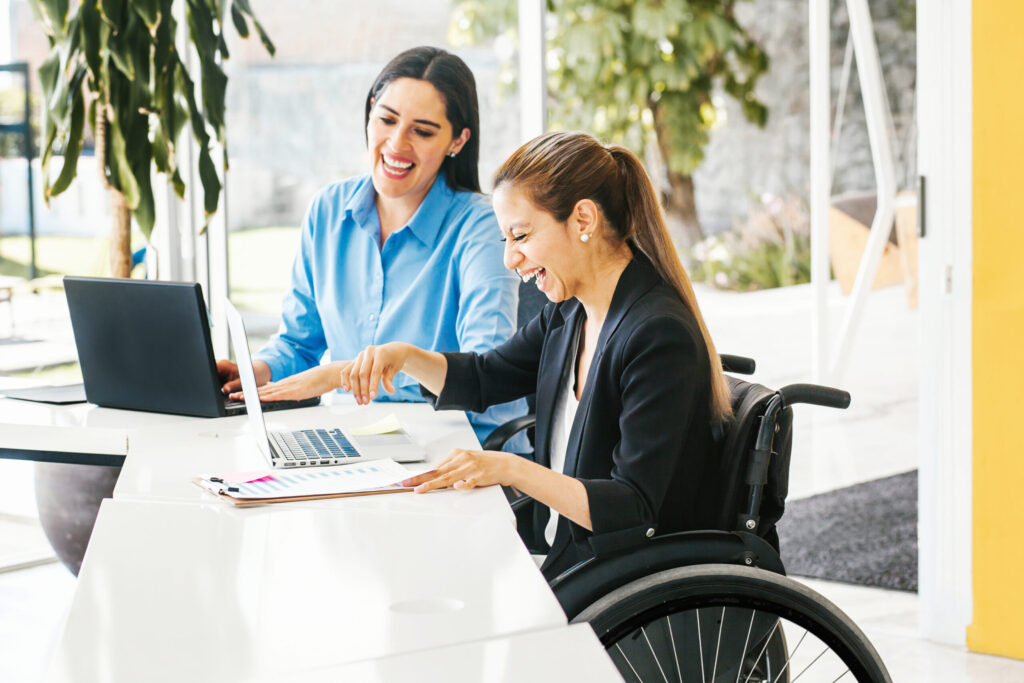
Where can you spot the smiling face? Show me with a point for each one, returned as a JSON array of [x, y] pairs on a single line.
[[537, 246], [408, 137]]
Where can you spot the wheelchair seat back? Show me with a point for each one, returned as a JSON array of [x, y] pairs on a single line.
[[730, 489]]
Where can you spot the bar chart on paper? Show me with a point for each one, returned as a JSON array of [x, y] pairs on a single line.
[[376, 476]]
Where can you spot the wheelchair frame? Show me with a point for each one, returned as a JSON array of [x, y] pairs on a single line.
[[587, 582]]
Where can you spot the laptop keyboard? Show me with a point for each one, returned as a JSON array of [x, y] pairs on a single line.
[[313, 447]]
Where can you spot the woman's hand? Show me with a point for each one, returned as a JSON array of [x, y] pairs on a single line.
[[228, 372], [464, 469], [374, 365], [307, 384]]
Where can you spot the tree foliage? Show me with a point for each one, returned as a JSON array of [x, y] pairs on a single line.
[[636, 71], [115, 64]]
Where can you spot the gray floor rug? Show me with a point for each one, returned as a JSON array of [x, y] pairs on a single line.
[[864, 534]]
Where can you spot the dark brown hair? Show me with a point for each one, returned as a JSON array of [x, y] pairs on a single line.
[[557, 170]]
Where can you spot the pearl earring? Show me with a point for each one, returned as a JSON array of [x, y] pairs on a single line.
[[452, 155], [584, 237]]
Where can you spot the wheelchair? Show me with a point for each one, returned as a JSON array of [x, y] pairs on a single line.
[[716, 605]]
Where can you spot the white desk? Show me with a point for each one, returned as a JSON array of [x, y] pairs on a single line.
[[172, 592], [560, 655], [81, 433], [163, 461]]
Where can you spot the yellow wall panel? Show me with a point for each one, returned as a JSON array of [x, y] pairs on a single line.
[[998, 328]]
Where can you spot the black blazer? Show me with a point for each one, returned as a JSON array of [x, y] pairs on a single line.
[[641, 440]]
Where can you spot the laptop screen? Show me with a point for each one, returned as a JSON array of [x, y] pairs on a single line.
[[144, 345], [251, 393]]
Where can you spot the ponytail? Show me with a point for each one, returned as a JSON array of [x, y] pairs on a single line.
[[644, 228], [559, 169]]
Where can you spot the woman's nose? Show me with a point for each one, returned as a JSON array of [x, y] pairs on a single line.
[[512, 255], [399, 139]]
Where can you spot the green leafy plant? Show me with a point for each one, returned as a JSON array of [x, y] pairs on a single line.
[[638, 71], [115, 64], [771, 249]]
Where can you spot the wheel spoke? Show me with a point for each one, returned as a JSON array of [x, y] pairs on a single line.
[[743, 652], [784, 612], [789, 656], [654, 654], [700, 647], [809, 665], [718, 646], [675, 651], [628, 663], [761, 653]]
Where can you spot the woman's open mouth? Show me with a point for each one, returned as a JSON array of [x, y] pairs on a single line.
[[394, 167], [539, 275]]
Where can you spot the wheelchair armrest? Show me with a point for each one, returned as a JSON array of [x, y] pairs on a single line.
[[815, 394], [741, 365], [504, 432], [581, 585]]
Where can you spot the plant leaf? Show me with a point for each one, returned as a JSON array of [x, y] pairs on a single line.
[[124, 180], [148, 11], [113, 13], [145, 211], [215, 85], [246, 9], [239, 20], [211, 183], [120, 53], [72, 147], [54, 15]]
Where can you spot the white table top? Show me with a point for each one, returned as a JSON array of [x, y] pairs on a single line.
[[163, 461], [75, 428], [172, 592], [560, 655]]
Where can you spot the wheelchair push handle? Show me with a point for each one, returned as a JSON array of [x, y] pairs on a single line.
[[741, 365], [815, 394]]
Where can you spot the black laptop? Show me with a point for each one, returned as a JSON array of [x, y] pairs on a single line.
[[145, 345]]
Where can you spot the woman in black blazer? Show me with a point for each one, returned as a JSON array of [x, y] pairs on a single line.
[[627, 380]]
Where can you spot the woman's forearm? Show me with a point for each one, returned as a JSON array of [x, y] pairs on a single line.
[[429, 368], [562, 493]]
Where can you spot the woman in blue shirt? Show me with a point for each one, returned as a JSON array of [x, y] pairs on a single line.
[[410, 252]]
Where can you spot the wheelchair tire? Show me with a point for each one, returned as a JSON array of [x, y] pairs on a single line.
[[671, 626]]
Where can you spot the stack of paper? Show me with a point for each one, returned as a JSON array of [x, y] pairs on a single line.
[[312, 483]]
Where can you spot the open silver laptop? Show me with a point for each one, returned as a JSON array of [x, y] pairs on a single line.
[[305, 447]]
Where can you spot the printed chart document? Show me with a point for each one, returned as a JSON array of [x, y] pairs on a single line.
[[360, 479]]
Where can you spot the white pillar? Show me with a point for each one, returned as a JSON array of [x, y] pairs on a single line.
[[944, 256], [819, 28], [532, 75]]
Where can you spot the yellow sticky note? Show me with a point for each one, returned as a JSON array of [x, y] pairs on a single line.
[[385, 425]]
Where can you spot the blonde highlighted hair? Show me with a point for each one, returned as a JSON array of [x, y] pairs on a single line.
[[556, 170]]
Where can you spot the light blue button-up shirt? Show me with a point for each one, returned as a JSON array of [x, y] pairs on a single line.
[[438, 283]]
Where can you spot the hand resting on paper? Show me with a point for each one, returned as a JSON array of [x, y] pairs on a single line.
[[463, 469]]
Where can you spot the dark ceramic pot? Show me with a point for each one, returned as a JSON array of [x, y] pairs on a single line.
[[68, 498]]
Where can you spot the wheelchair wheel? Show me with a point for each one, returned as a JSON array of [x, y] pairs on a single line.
[[714, 623]]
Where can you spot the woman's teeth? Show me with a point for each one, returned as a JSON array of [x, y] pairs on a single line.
[[538, 273], [395, 166]]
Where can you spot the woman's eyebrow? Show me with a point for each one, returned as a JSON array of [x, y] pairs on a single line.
[[425, 122]]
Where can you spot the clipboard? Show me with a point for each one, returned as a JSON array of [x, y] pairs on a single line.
[[369, 478]]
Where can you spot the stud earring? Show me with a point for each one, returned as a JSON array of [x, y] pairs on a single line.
[[584, 237], [451, 155]]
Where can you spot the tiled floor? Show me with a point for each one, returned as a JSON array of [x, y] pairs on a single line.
[[889, 620], [876, 437]]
